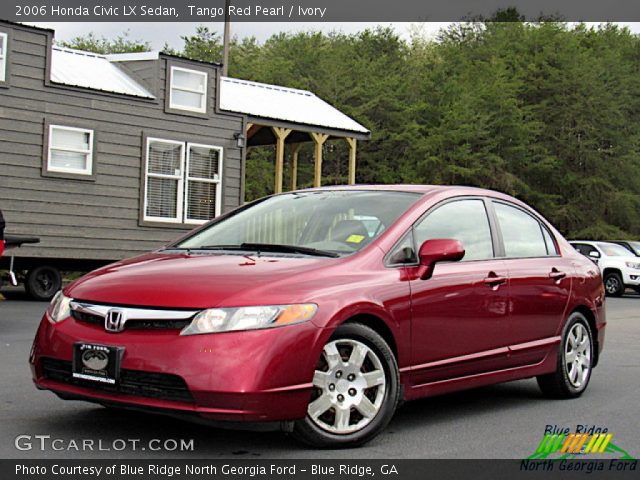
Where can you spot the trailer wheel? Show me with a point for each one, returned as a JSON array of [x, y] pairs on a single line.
[[43, 282]]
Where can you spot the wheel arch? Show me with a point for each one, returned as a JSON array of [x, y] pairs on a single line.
[[379, 326], [591, 320], [609, 270]]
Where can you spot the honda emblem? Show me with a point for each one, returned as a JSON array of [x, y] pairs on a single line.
[[114, 321]]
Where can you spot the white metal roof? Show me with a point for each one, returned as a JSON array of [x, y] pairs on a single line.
[[89, 70], [282, 103]]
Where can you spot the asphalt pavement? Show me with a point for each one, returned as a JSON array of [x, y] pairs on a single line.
[[502, 421]]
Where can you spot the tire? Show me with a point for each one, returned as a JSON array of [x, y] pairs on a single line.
[[561, 383], [338, 415], [43, 282], [637, 289], [613, 285]]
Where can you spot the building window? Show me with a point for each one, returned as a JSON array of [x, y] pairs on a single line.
[[70, 150], [4, 45], [188, 90], [182, 183], [204, 168]]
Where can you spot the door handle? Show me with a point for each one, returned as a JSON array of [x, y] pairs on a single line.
[[493, 280], [557, 274]]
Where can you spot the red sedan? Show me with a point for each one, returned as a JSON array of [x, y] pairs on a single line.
[[320, 310]]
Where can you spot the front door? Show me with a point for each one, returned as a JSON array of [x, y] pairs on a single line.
[[459, 315]]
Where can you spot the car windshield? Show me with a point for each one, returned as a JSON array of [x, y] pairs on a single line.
[[327, 223], [635, 246], [613, 250]]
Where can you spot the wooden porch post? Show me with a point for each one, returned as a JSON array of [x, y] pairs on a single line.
[[318, 139], [295, 150], [352, 160], [281, 134]]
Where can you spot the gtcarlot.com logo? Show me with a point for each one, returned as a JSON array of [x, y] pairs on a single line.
[[45, 443]]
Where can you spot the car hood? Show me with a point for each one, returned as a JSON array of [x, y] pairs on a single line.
[[200, 281]]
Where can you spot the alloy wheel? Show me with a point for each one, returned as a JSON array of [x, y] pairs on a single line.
[[577, 356], [350, 384], [612, 284]]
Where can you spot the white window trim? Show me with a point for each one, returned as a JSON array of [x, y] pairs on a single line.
[[216, 180], [89, 168], [180, 178], [172, 87], [3, 57]]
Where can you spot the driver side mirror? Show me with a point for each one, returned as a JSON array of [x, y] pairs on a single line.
[[594, 254], [438, 250]]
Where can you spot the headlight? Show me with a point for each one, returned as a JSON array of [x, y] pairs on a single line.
[[59, 308], [249, 318], [633, 265]]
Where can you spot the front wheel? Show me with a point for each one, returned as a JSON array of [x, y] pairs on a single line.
[[356, 390], [575, 361], [613, 284]]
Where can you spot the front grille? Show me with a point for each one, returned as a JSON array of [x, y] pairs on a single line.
[[156, 324], [87, 317], [133, 324], [163, 386]]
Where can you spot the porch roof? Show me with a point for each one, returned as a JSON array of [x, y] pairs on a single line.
[[283, 106]]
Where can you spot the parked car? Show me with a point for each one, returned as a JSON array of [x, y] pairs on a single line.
[[292, 311], [620, 268], [631, 245]]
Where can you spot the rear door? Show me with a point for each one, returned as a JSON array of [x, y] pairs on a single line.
[[539, 283]]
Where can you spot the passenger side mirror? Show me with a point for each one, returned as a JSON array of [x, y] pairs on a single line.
[[438, 250]]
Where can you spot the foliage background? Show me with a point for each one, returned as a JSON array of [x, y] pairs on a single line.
[[548, 112]]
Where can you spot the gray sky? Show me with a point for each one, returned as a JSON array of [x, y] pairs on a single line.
[[159, 33]]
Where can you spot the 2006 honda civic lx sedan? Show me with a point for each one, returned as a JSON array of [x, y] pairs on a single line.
[[318, 311]]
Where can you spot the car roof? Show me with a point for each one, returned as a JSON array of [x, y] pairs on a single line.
[[424, 189]]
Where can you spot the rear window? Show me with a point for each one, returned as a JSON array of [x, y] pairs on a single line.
[[523, 235]]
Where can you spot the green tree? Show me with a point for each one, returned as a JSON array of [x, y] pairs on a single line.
[[121, 44]]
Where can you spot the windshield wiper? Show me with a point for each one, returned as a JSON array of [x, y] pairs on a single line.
[[270, 247]]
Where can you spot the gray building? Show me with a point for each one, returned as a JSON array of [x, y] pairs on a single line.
[[106, 156]]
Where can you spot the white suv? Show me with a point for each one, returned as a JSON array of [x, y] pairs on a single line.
[[620, 268]]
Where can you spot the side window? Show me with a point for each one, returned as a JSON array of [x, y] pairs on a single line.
[[404, 251], [70, 150], [188, 90], [182, 182], [464, 220], [548, 240], [521, 233]]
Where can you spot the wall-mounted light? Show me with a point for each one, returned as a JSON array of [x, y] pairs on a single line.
[[240, 139]]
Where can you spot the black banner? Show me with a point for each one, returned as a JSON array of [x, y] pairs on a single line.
[[311, 10], [316, 469]]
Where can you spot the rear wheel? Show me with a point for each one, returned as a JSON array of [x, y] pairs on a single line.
[[613, 284], [575, 361], [356, 390], [43, 282]]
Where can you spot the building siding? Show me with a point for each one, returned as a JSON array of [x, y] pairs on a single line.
[[98, 219]]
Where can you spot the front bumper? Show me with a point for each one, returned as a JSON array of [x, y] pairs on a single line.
[[252, 376], [631, 277]]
